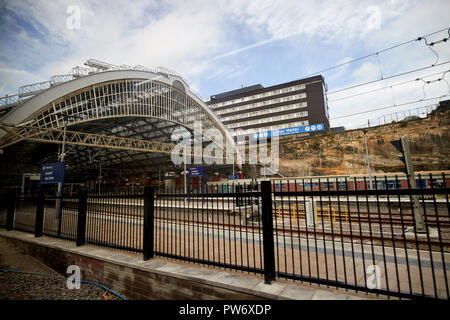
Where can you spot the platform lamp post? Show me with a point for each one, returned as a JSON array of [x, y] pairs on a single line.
[[185, 172], [100, 178], [369, 173], [233, 173], [233, 165], [185, 177], [60, 185]]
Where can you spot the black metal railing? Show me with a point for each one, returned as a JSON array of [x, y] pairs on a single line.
[[6, 202], [3, 217], [25, 208], [210, 227], [115, 220], [389, 239], [366, 240], [60, 218]]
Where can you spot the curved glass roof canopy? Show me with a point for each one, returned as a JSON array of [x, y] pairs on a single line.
[[123, 119]]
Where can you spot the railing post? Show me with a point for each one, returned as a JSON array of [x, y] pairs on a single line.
[[39, 220], [149, 213], [268, 245], [59, 208], [81, 226], [10, 209], [238, 189]]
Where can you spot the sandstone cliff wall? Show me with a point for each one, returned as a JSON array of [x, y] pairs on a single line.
[[344, 153]]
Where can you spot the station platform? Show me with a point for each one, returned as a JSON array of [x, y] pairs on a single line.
[[128, 274]]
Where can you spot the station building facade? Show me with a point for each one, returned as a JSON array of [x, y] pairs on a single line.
[[288, 109]]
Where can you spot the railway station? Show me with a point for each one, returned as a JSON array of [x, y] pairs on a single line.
[[111, 125], [208, 154], [86, 157]]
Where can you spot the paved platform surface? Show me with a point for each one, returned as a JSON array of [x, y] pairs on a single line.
[[245, 283]]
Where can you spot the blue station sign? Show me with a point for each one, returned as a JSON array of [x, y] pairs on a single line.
[[53, 173], [196, 172], [287, 131]]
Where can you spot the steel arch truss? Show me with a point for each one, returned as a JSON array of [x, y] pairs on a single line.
[[131, 115], [87, 139], [125, 98]]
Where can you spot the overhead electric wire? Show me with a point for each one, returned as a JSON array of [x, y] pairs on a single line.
[[389, 77], [393, 85], [381, 51], [392, 106], [435, 64]]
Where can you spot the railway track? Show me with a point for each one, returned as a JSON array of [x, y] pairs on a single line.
[[326, 214], [284, 225], [365, 235], [355, 217]]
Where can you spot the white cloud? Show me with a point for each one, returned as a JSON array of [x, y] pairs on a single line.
[[15, 78], [186, 35], [340, 20], [130, 33], [368, 71]]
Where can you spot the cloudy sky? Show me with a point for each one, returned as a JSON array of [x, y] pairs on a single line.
[[220, 45]]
